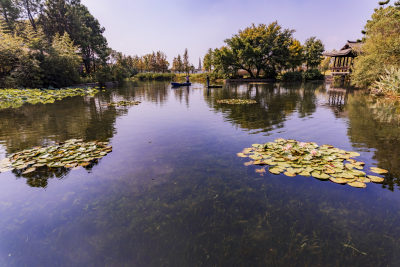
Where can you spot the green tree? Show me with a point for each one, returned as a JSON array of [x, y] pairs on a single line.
[[296, 56], [71, 16], [225, 62], [10, 12], [259, 49], [208, 60], [11, 51], [186, 64], [62, 64], [381, 48], [313, 50]]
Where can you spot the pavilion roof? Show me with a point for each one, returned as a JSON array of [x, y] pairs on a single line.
[[351, 48]]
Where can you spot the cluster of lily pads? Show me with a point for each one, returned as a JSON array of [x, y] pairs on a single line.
[[325, 162], [14, 98], [69, 154], [124, 103], [237, 101]]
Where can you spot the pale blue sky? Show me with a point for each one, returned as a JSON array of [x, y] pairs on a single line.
[[141, 26]]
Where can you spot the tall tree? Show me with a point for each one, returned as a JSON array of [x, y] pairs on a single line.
[[296, 54], [31, 10], [63, 62], [71, 16], [10, 12], [208, 60], [186, 64], [313, 52], [381, 49]]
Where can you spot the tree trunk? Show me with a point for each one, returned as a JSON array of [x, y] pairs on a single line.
[[6, 19], [250, 72], [31, 19]]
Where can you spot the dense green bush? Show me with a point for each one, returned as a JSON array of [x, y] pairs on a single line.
[[389, 83], [292, 76], [199, 77], [313, 74]]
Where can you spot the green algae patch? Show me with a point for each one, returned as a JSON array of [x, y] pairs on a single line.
[[124, 103], [69, 154], [237, 101], [15, 98], [326, 162]]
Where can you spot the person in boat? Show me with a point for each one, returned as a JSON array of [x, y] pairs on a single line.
[[187, 79], [208, 80]]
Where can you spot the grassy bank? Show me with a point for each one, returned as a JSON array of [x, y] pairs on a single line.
[[150, 76], [199, 77], [178, 77]]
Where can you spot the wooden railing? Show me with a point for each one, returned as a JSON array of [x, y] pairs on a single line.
[[340, 69]]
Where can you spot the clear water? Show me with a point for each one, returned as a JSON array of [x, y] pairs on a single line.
[[174, 193]]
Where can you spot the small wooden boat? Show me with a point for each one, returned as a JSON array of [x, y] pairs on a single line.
[[214, 86], [180, 84]]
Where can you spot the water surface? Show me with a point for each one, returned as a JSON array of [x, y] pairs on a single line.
[[174, 193]]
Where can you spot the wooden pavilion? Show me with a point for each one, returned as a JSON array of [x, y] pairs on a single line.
[[344, 58]]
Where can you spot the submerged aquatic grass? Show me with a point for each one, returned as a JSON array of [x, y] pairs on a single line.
[[237, 101], [325, 162], [69, 154], [14, 98]]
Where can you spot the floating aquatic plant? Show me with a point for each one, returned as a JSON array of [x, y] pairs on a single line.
[[124, 103], [237, 101], [69, 154], [14, 98], [325, 162]]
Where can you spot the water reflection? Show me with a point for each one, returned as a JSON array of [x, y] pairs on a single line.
[[173, 192], [374, 123], [275, 103]]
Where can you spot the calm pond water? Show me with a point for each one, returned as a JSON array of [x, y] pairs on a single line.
[[174, 193]]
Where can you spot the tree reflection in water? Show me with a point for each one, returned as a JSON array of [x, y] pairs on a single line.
[[275, 102], [374, 123]]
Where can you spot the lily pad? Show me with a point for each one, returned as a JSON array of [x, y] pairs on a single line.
[[376, 179], [15, 98], [358, 184], [378, 170], [261, 171], [237, 101], [29, 170], [338, 180], [308, 159], [66, 154], [290, 174], [124, 103], [276, 170]]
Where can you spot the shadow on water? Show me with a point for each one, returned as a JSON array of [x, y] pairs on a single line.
[[173, 192]]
